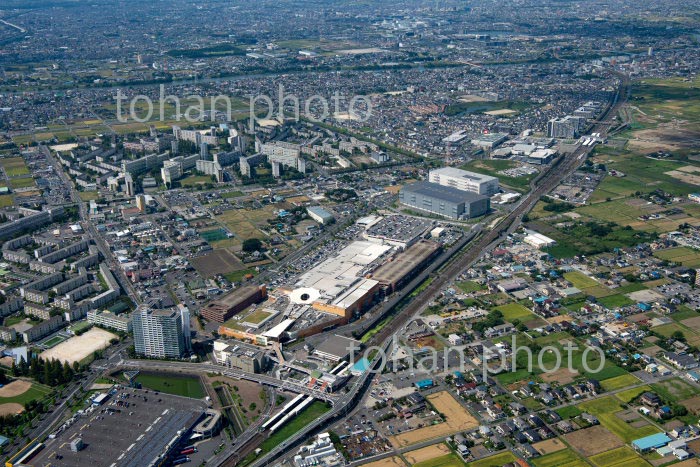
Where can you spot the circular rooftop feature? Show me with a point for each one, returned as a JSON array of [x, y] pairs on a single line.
[[304, 295]]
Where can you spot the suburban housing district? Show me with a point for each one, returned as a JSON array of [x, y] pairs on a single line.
[[510, 199]]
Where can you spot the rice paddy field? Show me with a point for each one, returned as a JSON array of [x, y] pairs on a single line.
[[14, 166], [563, 458], [620, 457]]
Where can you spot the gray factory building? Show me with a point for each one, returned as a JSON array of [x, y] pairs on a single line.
[[444, 200]]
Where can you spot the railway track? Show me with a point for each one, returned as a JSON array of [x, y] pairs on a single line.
[[563, 167]]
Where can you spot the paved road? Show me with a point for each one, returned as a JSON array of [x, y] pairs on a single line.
[[562, 168], [89, 227]]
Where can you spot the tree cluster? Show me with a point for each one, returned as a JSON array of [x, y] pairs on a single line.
[[49, 372]]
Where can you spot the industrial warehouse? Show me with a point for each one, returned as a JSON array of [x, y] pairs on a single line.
[[444, 201]]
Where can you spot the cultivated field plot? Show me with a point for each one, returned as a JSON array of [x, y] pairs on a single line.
[[631, 394], [388, 462], [591, 441], [457, 419], [14, 166], [681, 255], [514, 311], [562, 458], [561, 376], [219, 261], [694, 462], [22, 182], [449, 460], [494, 166], [549, 446], [674, 389], [243, 222], [621, 457], [580, 280], [606, 409], [692, 404], [80, 347], [427, 453], [619, 382], [627, 211], [497, 460]]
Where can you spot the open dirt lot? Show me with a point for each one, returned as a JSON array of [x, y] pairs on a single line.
[[666, 138], [217, 262], [11, 408], [388, 462], [427, 453], [15, 388], [562, 376], [645, 296], [692, 323], [457, 419], [688, 463], [78, 348], [472, 98], [692, 404], [593, 440], [548, 446]]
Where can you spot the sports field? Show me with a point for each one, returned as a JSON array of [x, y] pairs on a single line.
[[21, 392], [80, 347], [213, 235], [187, 386], [54, 341]]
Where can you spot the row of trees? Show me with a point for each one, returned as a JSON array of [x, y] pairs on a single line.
[[49, 372]]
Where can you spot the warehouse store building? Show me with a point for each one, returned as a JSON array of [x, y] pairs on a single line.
[[444, 201]]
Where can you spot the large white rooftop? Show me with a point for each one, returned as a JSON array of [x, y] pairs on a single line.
[[459, 173], [334, 275]]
